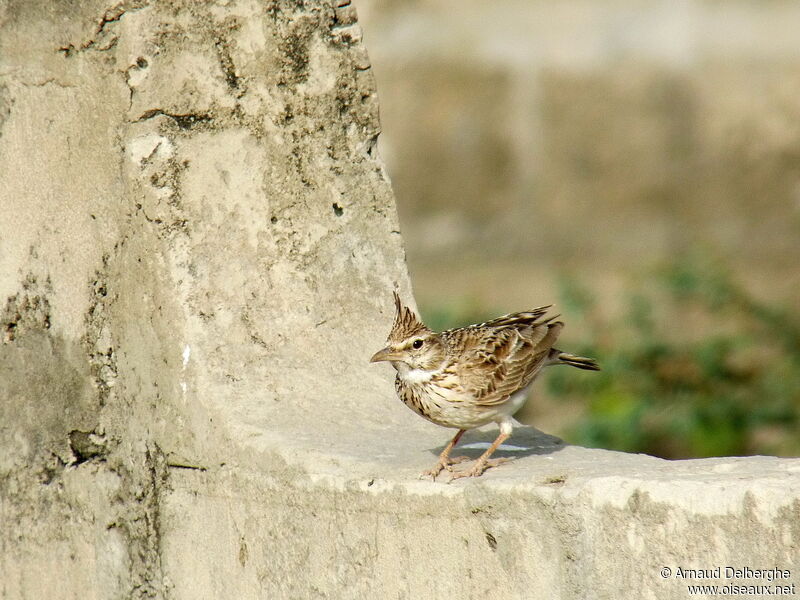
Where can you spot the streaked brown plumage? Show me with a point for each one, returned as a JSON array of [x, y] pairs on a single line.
[[470, 376]]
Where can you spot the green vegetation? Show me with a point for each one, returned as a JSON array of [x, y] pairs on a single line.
[[694, 367]]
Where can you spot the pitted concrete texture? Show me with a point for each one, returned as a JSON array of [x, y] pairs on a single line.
[[346, 517], [197, 255], [198, 241]]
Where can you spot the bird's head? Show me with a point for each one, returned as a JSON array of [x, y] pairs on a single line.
[[410, 345]]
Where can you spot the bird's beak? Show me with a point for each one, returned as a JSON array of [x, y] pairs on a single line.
[[385, 354]]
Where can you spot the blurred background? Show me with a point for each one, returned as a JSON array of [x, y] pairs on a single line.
[[635, 163]]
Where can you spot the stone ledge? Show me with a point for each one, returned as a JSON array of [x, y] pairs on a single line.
[[561, 521]]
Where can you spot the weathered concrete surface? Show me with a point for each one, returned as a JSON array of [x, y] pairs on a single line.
[[561, 522], [196, 256], [197, 240]]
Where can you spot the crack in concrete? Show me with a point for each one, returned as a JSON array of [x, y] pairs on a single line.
[[182, 120], [101, 40], [140, 64], [175, 465], [46, 82]]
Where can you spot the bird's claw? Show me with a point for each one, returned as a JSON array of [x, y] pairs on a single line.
[[478, 468], [444, 465]]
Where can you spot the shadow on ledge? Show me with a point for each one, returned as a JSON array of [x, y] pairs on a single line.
[[525, 441]]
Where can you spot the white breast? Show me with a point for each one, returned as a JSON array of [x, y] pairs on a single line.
[[412, 376], [417, 376]]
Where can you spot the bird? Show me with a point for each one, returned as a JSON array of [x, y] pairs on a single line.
[[467, 377]]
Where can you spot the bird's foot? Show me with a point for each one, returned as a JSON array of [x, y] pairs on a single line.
[[478, 468], [444, 464]]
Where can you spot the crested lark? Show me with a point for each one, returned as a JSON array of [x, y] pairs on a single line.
[[470, 376]]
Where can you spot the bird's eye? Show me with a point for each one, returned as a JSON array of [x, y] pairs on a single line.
[[417, 344]]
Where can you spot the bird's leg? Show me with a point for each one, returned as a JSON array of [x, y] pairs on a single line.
[[445, 462], [484, 462]]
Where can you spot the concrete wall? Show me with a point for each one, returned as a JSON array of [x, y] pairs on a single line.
[[197, 251]]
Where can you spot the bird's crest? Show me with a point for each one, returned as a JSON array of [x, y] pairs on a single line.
[[406, 323]]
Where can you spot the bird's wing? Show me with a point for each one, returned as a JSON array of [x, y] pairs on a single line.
[[501, 359], [517, 319]]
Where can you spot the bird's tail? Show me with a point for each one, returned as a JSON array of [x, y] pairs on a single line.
[[557, 357]]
